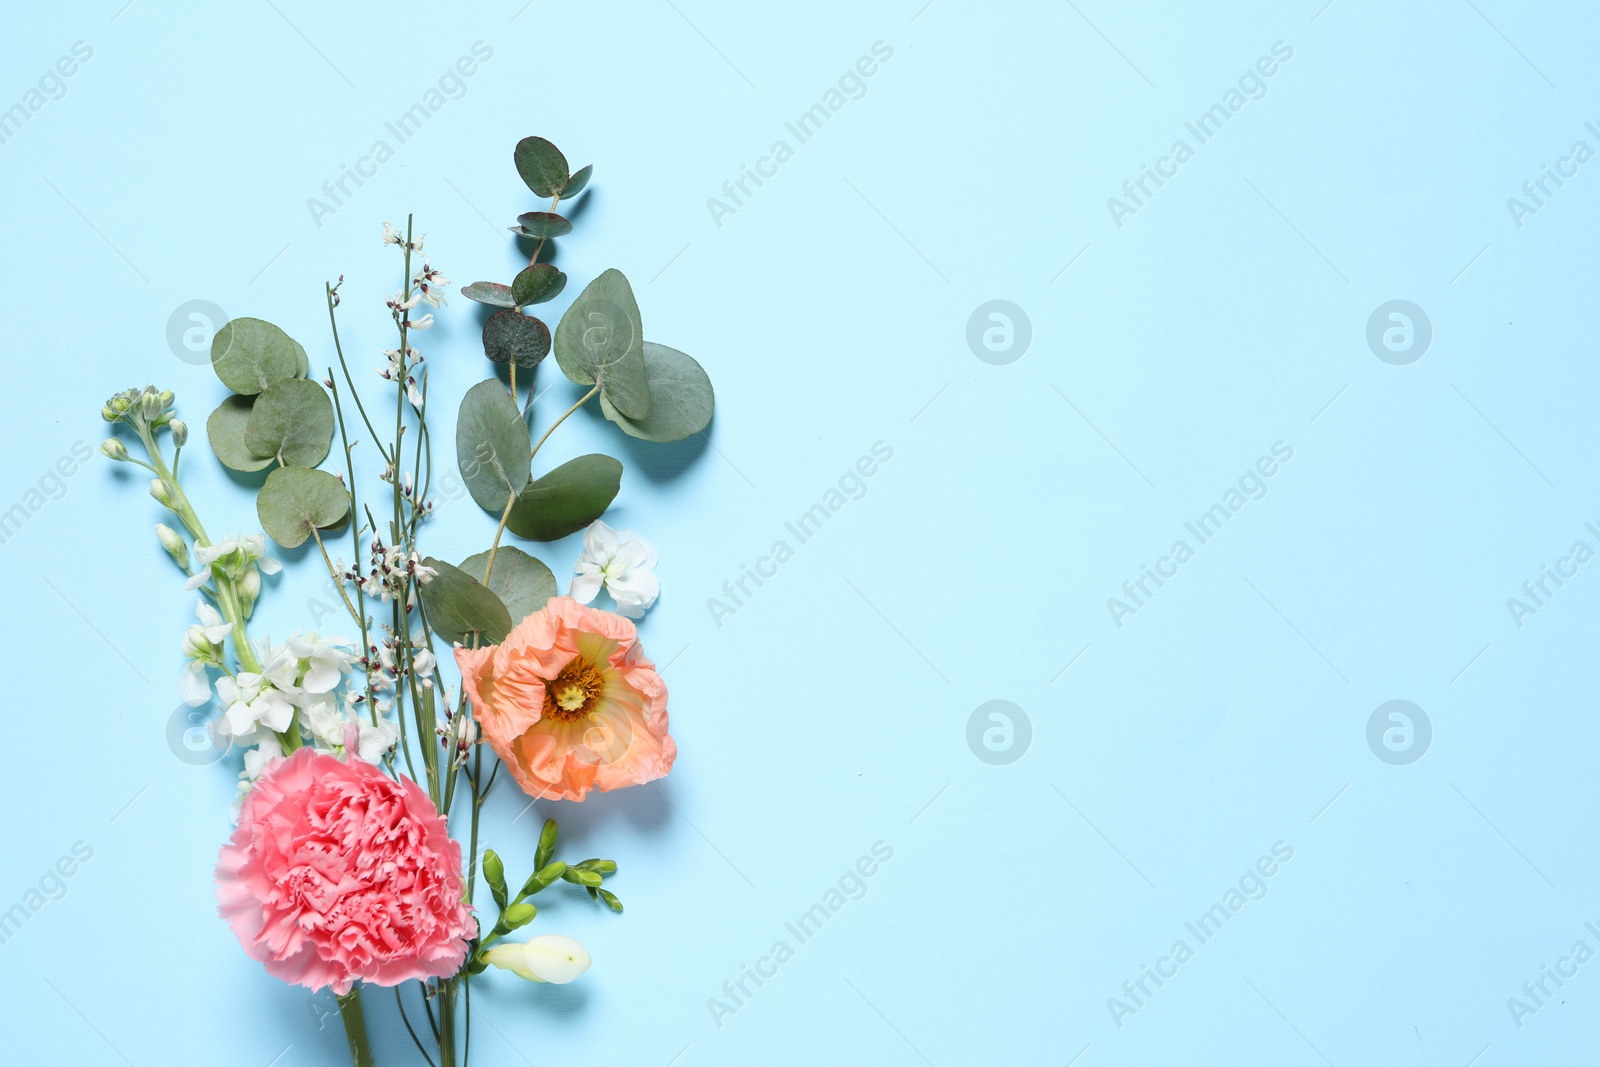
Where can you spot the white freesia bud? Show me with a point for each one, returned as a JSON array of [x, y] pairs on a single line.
[[180, 432], [550, 958], [111, 448], [174, 544], [162, 492]]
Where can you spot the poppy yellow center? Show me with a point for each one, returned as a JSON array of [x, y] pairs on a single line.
[[574, 692]]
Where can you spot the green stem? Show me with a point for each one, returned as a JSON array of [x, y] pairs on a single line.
[[447, 1023], [355, 1027]]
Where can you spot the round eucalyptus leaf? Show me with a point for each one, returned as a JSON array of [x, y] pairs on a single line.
[[601, 339], [577, 182], [226, 429], [512, 337], [681, 400], [543, 224], [294, 501], [302, 361], [538, 283], [567, 499], [489, 293], [522, 582], [293, 421], [492, 444], [459, 606], [249, 355], [541, 165]]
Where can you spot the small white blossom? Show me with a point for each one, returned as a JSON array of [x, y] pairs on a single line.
[[424, 323], [251, 702], [392, 236], [430, 283], [622, 561], [202, 646], [256, 761]]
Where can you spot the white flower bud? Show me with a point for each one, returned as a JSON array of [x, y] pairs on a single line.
[[250, 584], [152, 405], [550, 958], [162, 492], [174, 544], [180, 432], [112, 448]]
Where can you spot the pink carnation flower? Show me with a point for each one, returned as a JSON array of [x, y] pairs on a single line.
[[338, 873]]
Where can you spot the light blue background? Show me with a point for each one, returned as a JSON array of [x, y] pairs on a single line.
[[830, 711]]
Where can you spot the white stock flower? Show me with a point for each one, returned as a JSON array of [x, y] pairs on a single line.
[[202, 645], [548, 958], [256, 760], [325, 661], [622, 561], [233, 557], [251, 702]]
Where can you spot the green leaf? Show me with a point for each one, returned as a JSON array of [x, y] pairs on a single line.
[[492, 443], [512, 337], [494, 872], [459, 606], [521, 582], [543, 224], [567, 499], [249, 355], [601, 339], [681, 400], [547, 848], [489, 293], [226, 428], [294, 501], [538, 283], [302, 361], [611, 900], [292, 420], [541, 165], [577, 182]]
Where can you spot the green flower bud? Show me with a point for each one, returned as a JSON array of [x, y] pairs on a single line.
[[547, 844], [167, 397], [579, 876], [180, 432], [174, 544], [108, 414], [121, 404], [599, 866], [518, 915], [111, 448], [611, 900], [494, 872], [151, 406], [543, 879], [162, 492]]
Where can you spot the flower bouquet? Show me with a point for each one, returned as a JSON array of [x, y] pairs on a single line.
[[343, 872]]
